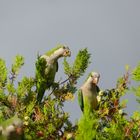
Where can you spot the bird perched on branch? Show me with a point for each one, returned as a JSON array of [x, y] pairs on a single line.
[[87, 94], [46, 68]]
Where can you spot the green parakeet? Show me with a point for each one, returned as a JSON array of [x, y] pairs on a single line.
[[46, 68], [87, 94]]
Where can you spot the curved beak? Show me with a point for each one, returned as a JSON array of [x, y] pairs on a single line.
[[67, 53], [95, 80]]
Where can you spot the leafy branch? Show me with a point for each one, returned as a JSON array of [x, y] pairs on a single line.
[[79, 66]]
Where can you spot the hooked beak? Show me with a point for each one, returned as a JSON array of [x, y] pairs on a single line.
[[95, 80], [67, 53]]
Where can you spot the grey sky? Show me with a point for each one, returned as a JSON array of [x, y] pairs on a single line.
[[109, 29]]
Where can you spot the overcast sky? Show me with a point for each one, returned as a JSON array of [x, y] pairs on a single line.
[[109, 29]]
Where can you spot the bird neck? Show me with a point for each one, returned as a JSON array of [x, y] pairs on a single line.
[[57, 54], [89, 84]]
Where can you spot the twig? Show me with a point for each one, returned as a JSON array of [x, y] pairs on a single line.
[[51, 93], [64, 81]]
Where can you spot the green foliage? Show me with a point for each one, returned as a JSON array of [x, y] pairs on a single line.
[[115, 130], [25, 86], [18, 63], [3, 79], [48, 120], [81, 62], [41, 81], [67, 67], [137, 93], [136, 77], [16, 66], [87, 126], [3, 74], [40, 66], [79, 65], [136, 73], [109, 121]]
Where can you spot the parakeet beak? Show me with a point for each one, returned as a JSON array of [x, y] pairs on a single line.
[[96, 80], [67, 53]]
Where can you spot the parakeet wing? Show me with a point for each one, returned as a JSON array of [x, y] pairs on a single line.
[[97, 89], [80, 99], [56, 66], [40, 66]]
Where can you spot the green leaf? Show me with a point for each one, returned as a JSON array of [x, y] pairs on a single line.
[[11, 89], [81, 62], [123, 103], [25, 86], [136, 115], [67, 67], [3, 73], [79, 65], [136, 73], [18, 63]]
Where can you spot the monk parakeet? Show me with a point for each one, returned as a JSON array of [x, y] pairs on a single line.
[[46, 68], [87, 94]]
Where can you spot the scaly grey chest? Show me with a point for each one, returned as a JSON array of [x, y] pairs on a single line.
[[90, 96]]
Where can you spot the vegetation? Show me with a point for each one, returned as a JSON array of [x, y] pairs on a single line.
[[22, 118]]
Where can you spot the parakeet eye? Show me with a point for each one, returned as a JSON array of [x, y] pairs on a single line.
[[67, 52], [96, 76], [91, 76]]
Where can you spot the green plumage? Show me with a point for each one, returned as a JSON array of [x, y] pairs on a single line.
[[46, 68], [45, 75], [90, 98], [87, 94], [80, 99], [49, 53]]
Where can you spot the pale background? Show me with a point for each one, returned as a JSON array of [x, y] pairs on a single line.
[[109, 29]]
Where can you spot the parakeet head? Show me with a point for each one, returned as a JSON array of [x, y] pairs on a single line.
[[59, 51], [63, 51], [66, 51], [95, 77]]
